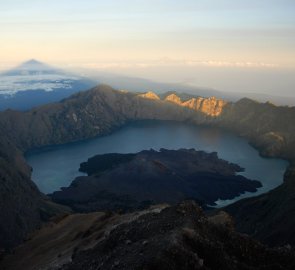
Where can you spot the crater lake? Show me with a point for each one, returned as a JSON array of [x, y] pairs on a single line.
[[57, 166]]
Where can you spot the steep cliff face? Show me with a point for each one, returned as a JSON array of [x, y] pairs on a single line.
[[22, 206], [19, 197]]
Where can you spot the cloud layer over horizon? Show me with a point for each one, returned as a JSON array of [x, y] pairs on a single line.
[[155, 34]]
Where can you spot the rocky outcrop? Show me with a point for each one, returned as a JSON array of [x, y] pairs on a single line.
[[134, 181], [150, 95], [174, 99], [209, 106]]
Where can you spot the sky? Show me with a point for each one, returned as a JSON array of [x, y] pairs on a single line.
[[232, 45]]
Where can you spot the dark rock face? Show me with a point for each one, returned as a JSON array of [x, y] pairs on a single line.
[[132, 181], [22, 206], [19, 197], [179, 238]]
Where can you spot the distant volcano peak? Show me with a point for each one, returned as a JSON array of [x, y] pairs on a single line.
[[32, 67], [32, 62]]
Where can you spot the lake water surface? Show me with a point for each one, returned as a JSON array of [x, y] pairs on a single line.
[[57, 166]]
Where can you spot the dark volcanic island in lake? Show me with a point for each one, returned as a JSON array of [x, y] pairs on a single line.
[[134, 181]]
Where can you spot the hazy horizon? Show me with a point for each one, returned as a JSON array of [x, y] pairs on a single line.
[[234, 46]]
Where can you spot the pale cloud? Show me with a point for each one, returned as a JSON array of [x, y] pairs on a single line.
[[215, 33], [234, 64], [168, 62]]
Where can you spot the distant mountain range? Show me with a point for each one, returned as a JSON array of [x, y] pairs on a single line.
[[34, 83], [118, 81]]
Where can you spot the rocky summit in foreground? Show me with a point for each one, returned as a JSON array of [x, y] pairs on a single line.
[[134, 181], [160, 238]]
